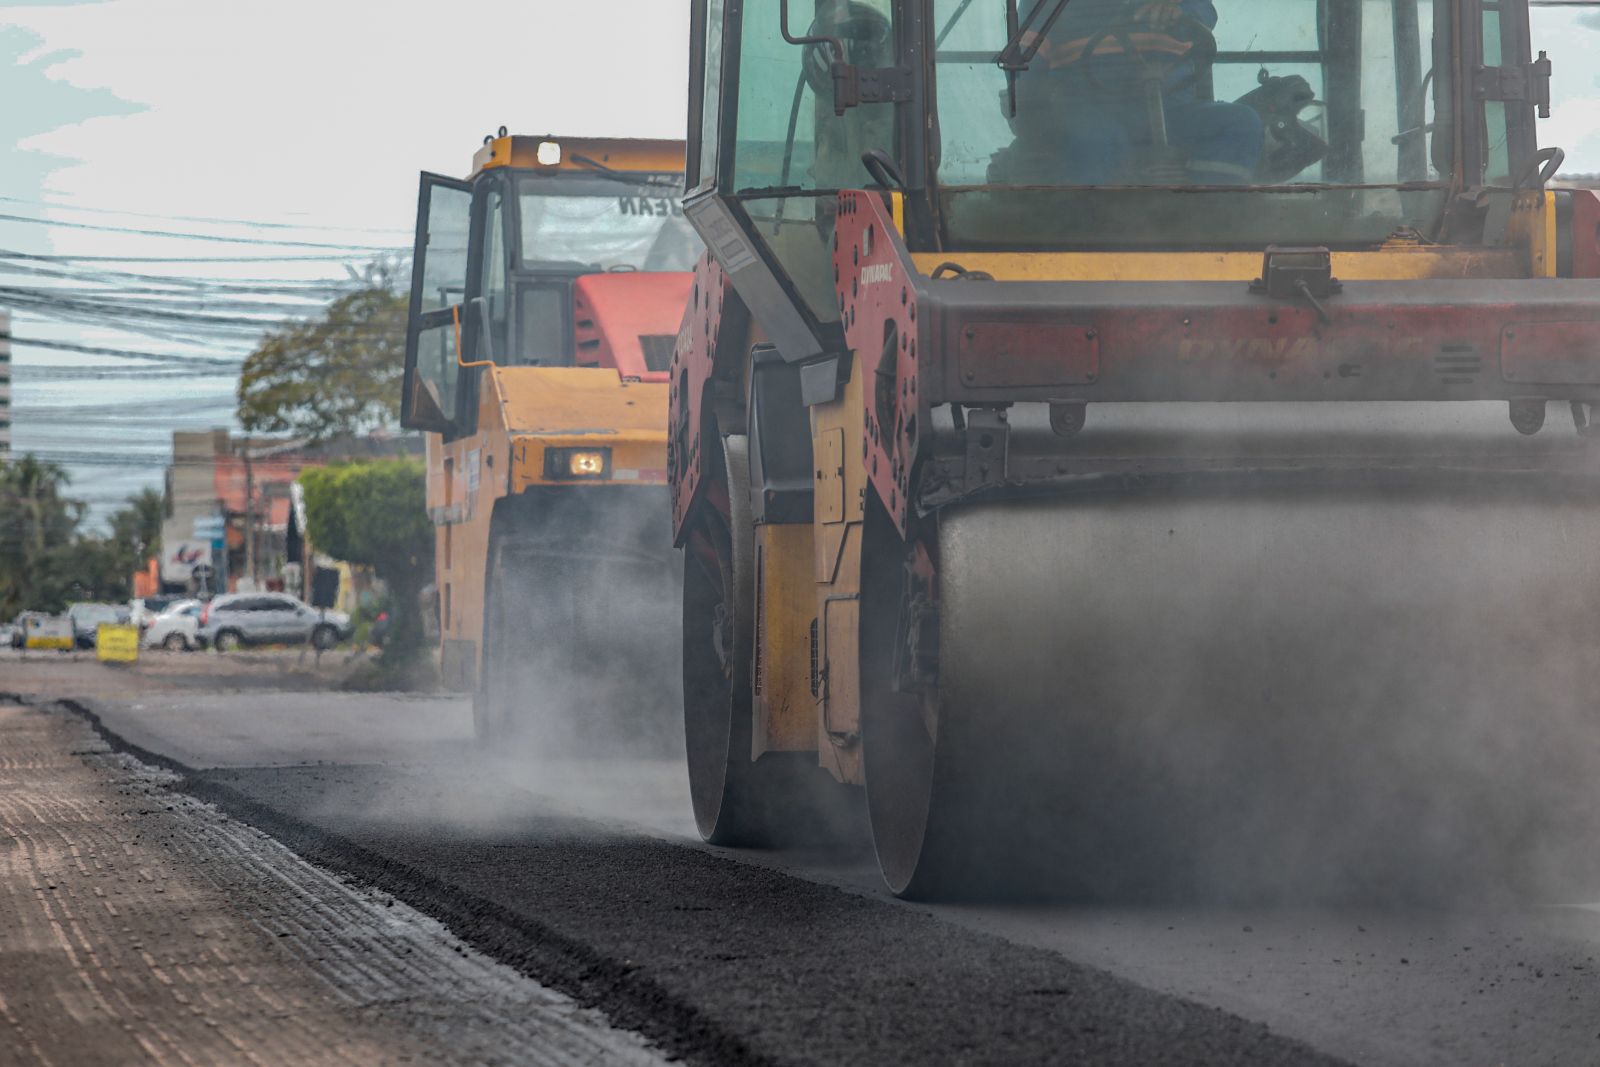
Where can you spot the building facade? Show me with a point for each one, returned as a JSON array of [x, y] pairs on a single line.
[[228, 504]]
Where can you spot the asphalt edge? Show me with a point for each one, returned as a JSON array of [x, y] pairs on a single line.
[[628, 1002]]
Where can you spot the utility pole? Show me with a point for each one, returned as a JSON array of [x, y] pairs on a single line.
[[250, 517]]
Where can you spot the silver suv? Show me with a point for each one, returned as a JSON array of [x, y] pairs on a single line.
[[269, 619]]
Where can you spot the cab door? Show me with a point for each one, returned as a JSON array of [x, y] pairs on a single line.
[[434, 398]]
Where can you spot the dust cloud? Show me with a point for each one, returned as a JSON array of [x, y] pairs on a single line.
[[580, 707], [1301, 686], [1369, 685]]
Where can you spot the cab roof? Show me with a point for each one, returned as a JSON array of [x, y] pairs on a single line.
[[552, 154]]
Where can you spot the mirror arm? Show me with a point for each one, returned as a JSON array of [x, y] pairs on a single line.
[[455, 317], [846, 82]]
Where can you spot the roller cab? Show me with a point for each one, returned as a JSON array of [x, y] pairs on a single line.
[[546, 295], [1104, 442]]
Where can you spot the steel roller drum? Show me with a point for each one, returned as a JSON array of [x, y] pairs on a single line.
[[1373, 681]]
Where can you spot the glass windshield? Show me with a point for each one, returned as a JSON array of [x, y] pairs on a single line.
[[1572, 37], [1330, 102], [792, 148], [605, 224]]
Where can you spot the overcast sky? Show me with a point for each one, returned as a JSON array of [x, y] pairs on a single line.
[[313, 112], [321, 113], [324, 110]]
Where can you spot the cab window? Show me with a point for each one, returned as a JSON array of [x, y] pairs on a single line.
[[710, 91], [1334, 114], [496, 290], [788, 133], [438, 286], [1571, 35], [791, 148]]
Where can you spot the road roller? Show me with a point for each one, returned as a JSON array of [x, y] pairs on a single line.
[[547, 290], [1139, 444]]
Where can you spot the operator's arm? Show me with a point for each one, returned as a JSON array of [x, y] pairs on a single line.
[[1160, 14]]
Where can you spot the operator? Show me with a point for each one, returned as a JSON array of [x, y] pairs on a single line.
[[1093, 107]]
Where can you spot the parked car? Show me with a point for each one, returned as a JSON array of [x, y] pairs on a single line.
[[270, 619], [86, 620], [144, 610], [176, 629]]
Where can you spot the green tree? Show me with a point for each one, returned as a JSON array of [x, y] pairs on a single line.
[[336, 375], [46, 561], [375, 514], [38, 522], [95, 568]]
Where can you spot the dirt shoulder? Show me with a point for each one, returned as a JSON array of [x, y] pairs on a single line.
[[78, 674], [139, 925]]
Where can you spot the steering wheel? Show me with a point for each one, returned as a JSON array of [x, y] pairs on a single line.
[[1185, 29]]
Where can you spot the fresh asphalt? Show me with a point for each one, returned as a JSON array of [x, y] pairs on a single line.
[[587, 876]]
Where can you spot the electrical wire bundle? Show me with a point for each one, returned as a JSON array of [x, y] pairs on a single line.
[[113, 352]]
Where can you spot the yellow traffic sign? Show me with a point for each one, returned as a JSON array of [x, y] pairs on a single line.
[[117, 643]]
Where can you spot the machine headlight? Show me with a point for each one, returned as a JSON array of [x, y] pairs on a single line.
[[564, 464], [586, 464]]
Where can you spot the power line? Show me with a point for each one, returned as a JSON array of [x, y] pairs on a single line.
[[143, 298], [193, 330], [178, 284], [34, 373], [37, 299], [121, 353], [253, 317], [369, 249], [239, 345], [41, 257], [251, 223]]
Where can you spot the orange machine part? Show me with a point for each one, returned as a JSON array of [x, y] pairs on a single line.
[[629, 321]]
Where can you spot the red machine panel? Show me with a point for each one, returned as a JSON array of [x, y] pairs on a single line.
[[878, 301], [693, 364]]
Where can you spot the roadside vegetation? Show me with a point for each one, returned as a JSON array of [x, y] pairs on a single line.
[[47, 559], [375, 514], [338, 375]]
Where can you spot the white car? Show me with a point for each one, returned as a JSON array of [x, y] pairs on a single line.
[[175, 629], [143, 610]]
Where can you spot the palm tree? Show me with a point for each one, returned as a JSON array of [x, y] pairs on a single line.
[[137, 526], [35, 518]]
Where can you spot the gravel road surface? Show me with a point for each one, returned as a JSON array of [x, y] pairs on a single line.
[[587, 877]]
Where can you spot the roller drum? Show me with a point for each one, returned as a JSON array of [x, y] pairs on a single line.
[[1313, 689]]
